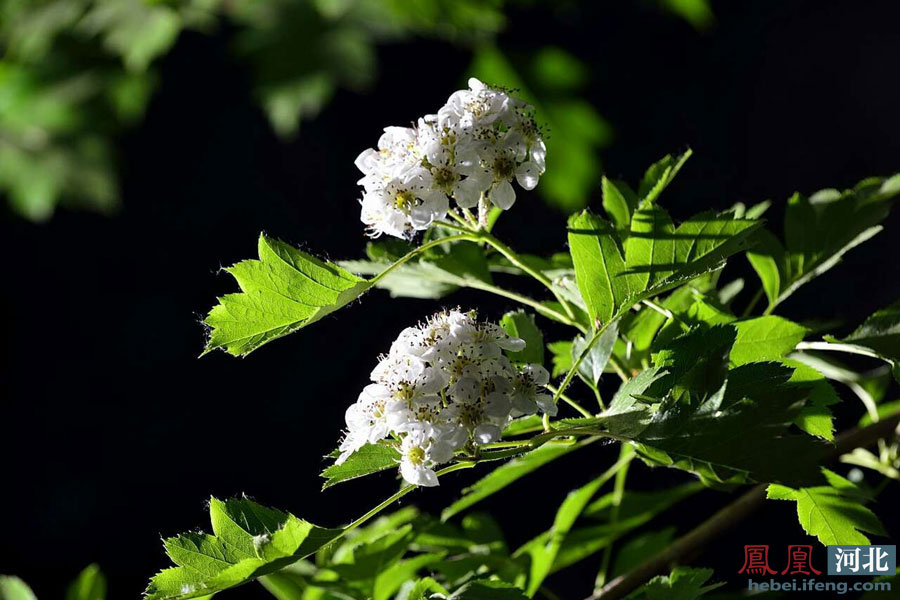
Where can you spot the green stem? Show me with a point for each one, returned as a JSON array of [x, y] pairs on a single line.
[[753, 301], [570, 402], [619, 367], [626, 453], [574, 369], [514, 258], [413, 253], [537, 306], [399, 494], [837, 347]]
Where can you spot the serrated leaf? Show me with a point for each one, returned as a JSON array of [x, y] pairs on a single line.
[[284, 290], [561, 356], [592, 366], [724, 425], [520, 324], [248, 541], [371, 458], [657, 256], [764, 339], [600, 270], [659, 175], [89, 585], [683, 583], [834, 513], [880, 333], [819, 230], [745, 440], [504, 475], [815, 417], [13, 588], [619, 202]]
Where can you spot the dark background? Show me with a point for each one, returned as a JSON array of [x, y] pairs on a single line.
[[113, 433]]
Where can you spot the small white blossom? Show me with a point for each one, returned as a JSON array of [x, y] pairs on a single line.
[[445, 386], [470, 151]]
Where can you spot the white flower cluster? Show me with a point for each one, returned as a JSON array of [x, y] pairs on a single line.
[[445, 385], [475, 145]]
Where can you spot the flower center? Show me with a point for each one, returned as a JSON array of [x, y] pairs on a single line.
[[404, 200], [504, 168], [444, 178], [416, 455]]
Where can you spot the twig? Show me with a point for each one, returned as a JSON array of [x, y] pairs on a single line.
[[729, 516]]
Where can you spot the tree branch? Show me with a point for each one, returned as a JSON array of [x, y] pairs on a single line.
[[729, 516]]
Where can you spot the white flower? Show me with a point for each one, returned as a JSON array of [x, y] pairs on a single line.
[[479, 407], [444, 386], [471, 149], [527, 395], [419, 453], [400, 207]]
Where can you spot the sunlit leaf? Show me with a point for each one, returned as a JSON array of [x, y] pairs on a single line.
[[283, 291], [248, 541], [834, 513], [371, 458]]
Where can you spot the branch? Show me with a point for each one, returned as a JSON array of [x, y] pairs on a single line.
[[729, 516]]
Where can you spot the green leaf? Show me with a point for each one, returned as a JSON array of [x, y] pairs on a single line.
[[391, 578], [504, 475], [421, 589], [599, 267], [765, 338], [89, 585], [561, 356], [283, 291], [248, 541], [488, 589], [438, 272], [834, 513], [619, 202], [683, 583], [641, 548], [544, 555], [819, 230], [815, 417], [521, 325], [371, 458], [724, 425], [13, 588], [880, 333], [658, 257], [592, 366], [660, 175]]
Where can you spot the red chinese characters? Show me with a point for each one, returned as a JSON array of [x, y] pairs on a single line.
[[800, 561], [756, 560]]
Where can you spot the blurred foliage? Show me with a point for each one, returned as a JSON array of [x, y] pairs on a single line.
[[75, 74]]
